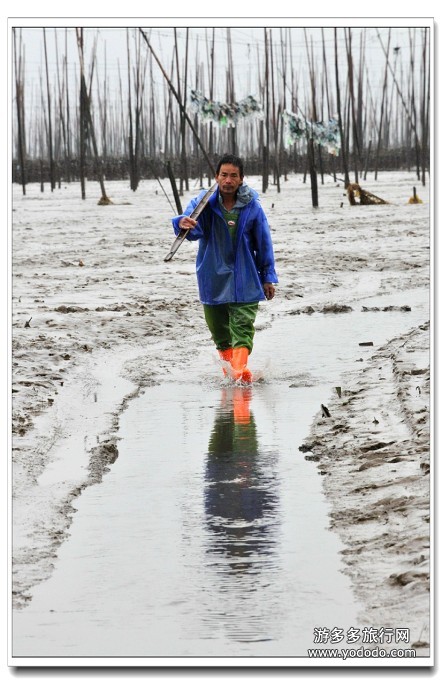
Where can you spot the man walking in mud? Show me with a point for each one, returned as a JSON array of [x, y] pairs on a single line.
[[235, 263]]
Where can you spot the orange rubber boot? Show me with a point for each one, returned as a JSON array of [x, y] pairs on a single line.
[[240, 357], [226, 356]]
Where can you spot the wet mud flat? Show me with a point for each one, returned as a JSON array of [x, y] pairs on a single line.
[[84, 299], [373, 452], [210, 534]]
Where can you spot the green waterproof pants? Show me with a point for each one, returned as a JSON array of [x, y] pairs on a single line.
[[231, 325]]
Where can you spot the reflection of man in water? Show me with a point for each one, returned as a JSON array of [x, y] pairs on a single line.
[[240, 491]]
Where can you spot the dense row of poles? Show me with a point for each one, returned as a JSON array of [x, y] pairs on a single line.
[[73, 137]]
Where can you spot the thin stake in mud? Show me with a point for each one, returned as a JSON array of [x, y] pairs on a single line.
[[161, 186], [195, 214]]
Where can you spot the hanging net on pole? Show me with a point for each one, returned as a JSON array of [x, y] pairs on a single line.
[[323, 133], [223, 113]]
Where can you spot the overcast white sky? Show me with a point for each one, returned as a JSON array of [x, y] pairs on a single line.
[[246, 35], [201, 13]]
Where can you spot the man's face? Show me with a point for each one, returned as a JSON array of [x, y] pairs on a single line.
[[228, 179]]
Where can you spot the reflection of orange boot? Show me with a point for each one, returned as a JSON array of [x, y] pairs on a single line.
[[241, 405], [240, 357], [226, 356]]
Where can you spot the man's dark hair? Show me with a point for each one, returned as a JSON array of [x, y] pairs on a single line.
[[231, 159]]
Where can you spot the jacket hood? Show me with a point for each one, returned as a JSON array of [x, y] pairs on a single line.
[[245, 195]]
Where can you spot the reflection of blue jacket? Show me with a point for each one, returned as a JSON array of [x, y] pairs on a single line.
[[229, 272]]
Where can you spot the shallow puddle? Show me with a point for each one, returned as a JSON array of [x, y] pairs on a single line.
[[209, 536]]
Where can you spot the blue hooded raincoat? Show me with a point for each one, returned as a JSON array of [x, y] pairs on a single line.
[[232, 271]]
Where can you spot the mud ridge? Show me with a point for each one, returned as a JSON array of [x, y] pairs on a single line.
[[373, 454]]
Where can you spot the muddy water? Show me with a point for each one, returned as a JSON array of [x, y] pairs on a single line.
[[210, 534]]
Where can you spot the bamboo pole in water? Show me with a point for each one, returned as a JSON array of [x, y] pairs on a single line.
[[354, 127], [338, 105], [275, 120], [43, 133], [48, 94], [425, 100], [390, 103], [87, 117], [266, 127], [152, 113], [68, 118], [132, 162], [360, 109], [102, 114], [82, 119], [181, 107], [294, 96], [19, 101], [60, 132], [283, 100], [211, 62], [330, 112], [201, 129], [182, 102], [230, 90], [381, 115], [310, 143], [140, 81], [123, 132], [135, 110], [413, 122]]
